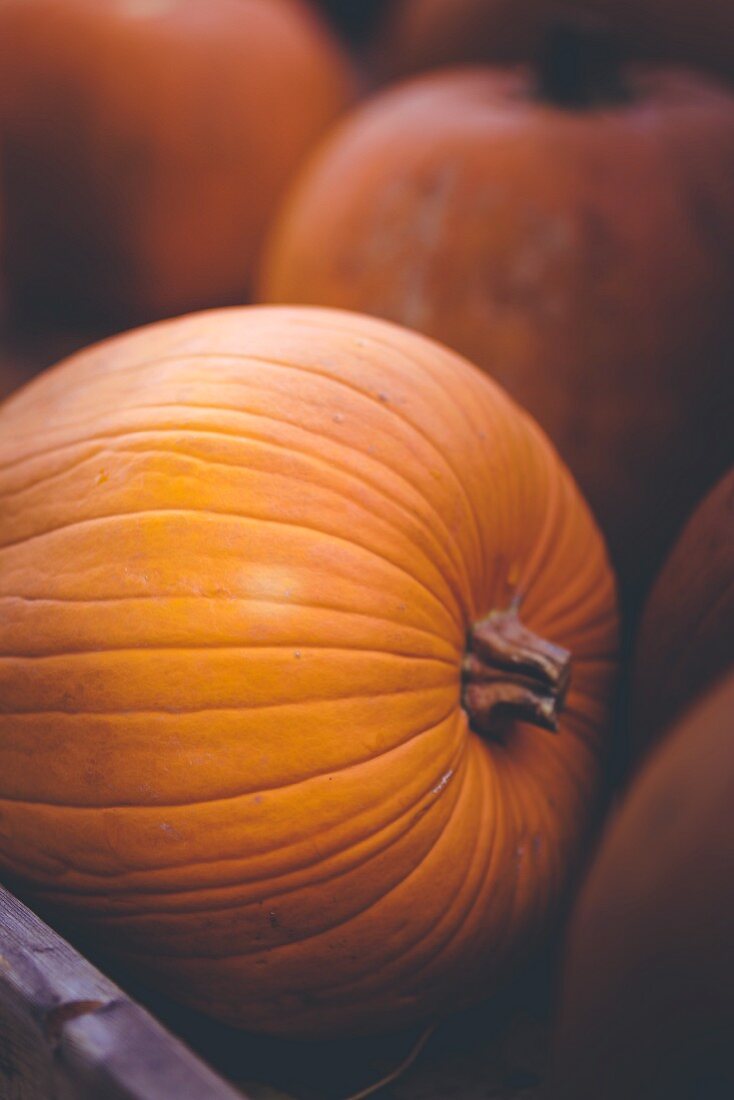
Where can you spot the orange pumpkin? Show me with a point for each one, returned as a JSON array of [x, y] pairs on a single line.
[[686, 638], [423, 34], [648, 997], [274, 589], [577, 242], [146, 143]]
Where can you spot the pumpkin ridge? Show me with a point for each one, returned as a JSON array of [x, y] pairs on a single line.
[[69, 650], [446, 547], [462, 767], [210, 513], [216, 710], [390, 407], [118, 893], [328, 929], [453, 585], [504, 403], [223, 599], [505, 797], [248, 793], [210, 646], [467, 907], [541, 446]]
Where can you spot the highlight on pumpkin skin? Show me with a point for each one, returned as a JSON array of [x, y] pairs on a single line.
[[238, 571], [573, 237]]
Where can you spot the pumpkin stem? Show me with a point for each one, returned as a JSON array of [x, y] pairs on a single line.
[[580, 66], [509, 669]]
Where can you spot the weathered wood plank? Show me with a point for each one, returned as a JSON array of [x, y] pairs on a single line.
[[67, 1032]]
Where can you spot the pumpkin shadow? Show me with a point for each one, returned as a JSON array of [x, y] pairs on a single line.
[[496, 1049]]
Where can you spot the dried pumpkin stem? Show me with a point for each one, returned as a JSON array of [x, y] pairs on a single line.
[[509, 671], [580, 66]]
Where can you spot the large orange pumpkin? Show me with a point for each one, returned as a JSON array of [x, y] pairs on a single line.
[[577, 243], [648, 998], [686, 637], [147, 141], [274, 589], [422, 34]]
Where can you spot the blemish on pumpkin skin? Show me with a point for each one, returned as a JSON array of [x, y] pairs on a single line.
[[102, 476], [443, 782], [273, 918]]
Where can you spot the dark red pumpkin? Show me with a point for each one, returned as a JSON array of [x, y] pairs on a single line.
[[648, 994], [686, 637], [146, 143], [575, 238]]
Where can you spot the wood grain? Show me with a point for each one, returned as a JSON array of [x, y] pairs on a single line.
[[66, 1032]]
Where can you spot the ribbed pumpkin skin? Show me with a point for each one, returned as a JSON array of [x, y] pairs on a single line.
[[583, 258], [648, 995], [686, 638], [147, 142], [424, 34], [238, 567]]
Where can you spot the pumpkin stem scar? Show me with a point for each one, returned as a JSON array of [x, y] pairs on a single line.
[[579, 66], [510, 672]]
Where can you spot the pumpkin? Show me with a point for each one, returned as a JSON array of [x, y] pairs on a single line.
[[289, 601], [648, 989], [146, 142], [423, 34], [686, 637], [571, 231]]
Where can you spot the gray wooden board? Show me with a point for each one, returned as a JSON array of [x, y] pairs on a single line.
[[67, 1032]]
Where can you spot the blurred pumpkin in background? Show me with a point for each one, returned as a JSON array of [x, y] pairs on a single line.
[[570, 229], [648, 993], [145, 143], [686, 638], [311, 640], [425, 34]]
